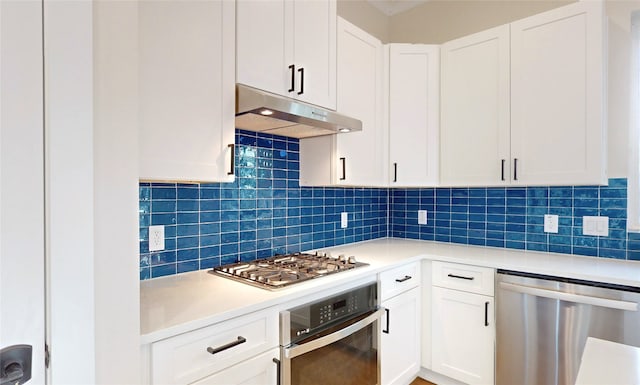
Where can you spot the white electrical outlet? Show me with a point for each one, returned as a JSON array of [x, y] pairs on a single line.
[[344, 220], [598, 226], [422, 217], [156, 238], [551, 223]]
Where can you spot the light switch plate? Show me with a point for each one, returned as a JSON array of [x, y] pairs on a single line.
[[551, 223], [422, 217], [597, 226], [344, 220], [156, 238]]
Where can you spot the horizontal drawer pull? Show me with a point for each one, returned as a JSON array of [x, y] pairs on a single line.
[[460, 277], [406, 278], [237, 342]]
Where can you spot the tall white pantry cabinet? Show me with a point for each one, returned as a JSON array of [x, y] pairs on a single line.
[[523, 104]]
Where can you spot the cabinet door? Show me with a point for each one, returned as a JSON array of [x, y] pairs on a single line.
[[414, 71], [400, 356], [259, 370], [557, 93], [264, 45], [463, 335], [357, 158], [187, 92], [314, 49], [475, 101]]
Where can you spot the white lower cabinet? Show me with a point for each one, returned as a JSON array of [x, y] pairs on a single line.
[[463, 323], [401, 338], [400, 354], [259, 370], [218, 353]]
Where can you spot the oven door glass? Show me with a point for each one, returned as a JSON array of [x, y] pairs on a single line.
[[344, 355]]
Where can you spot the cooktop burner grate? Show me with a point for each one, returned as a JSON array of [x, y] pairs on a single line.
[[283, 270]]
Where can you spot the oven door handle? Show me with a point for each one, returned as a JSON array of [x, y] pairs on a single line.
[[297, 350]]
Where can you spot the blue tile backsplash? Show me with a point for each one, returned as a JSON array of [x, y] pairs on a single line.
[[265, 212]]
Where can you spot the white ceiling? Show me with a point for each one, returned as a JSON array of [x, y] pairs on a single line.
[[391, 7]]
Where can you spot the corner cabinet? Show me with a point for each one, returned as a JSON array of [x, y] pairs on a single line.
[[288, 47], [413, 114], [356, 158], [400, 293], [463, 322], [523, 104], [187, 90]]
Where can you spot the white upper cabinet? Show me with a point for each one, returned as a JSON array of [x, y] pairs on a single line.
[[523, 104], [413, 114], [558, 134], [288, 47], [187, 90], [357, 158], [475, 101]]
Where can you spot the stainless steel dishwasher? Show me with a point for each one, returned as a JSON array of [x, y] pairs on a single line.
[[543, 323]]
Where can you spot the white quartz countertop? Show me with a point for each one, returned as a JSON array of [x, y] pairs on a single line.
[[611, 363], [180, 303]]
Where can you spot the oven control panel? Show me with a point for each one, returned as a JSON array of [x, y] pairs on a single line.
[[310, 318]]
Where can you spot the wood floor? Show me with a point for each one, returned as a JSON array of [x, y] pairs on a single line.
[[420, 381]]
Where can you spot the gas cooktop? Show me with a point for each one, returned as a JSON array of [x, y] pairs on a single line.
[[284, 270]]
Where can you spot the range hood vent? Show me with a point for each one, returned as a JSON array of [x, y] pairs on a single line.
[[262, 111]]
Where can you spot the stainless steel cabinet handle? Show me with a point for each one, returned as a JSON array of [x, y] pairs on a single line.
[[515, 168], [277, 362], [233, 159], [406, 278], [577, 298], [460, 277], [502, 172], [395, 172], [344, 168], [240, 340]]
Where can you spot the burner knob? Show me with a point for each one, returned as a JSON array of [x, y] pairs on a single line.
[[343, 258], [252, 276], [352, 259]]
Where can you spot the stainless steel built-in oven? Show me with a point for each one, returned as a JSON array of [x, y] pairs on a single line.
[[332, 341]]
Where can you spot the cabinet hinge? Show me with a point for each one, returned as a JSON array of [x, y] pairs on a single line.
[[47, 355]]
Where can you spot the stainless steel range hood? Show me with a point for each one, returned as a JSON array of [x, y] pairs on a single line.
[[262, 111]]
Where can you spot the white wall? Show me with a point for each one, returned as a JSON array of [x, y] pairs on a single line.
[[365, 16], [91, 129], [115, 146], [438, 21]]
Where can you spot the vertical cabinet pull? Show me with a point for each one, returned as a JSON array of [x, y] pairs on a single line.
[[301, 70], [233, 159], [502, 172], [515, 168], [395, 172], [486, 313], [386, 330], [344, 168], [292, 68], [277, 362]]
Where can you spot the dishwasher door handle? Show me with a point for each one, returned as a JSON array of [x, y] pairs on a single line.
[[569, 297]]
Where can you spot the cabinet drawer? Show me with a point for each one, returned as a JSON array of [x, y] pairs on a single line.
[[399, 279], [185, 358], [473, 279]]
